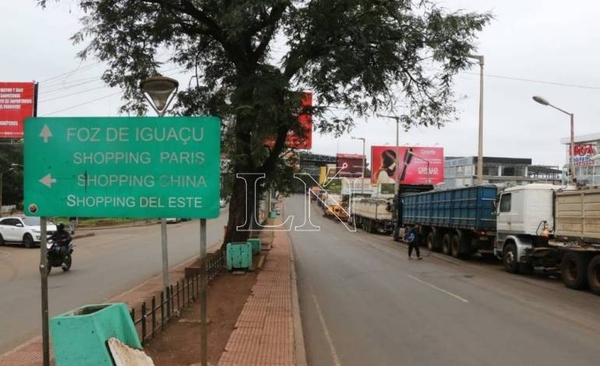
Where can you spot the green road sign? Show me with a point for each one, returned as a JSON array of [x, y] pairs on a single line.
[[143, 167]]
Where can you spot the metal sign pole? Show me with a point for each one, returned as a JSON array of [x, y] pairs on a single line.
[[44, 277], [203, 295], [165, 260]]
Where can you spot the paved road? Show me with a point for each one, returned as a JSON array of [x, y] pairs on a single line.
[[104, 265], [364, 303]]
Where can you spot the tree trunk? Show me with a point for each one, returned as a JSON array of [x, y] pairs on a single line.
[[241, 206]]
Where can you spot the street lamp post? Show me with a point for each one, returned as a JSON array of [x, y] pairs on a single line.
[[159, 91], [426, 161], [397, 119], [480, 135], [543, 101], [362, 181]]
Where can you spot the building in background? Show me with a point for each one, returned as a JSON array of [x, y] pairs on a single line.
[[587, 158], [501, 171]]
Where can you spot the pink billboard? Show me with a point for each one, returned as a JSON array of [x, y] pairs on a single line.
[[410, 165]]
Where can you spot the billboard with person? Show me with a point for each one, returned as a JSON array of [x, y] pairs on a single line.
[[17, 101], [408, 164]]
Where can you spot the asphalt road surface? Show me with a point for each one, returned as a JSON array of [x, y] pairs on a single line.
[[105, 265], [363, 302]]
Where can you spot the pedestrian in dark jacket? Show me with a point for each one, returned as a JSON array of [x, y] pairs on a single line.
[[413, 238]]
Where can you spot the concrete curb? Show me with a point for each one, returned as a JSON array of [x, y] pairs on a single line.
[[299, 347]]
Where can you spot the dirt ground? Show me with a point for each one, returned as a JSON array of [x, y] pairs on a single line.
[[179, 344]]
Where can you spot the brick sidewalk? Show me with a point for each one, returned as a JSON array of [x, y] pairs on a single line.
[[266, 332]]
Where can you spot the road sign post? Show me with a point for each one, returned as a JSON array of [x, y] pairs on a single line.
[[134, 167]]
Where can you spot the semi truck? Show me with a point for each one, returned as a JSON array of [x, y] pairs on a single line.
[[531, 228], [549, 228], [458, 222], [373, 215]]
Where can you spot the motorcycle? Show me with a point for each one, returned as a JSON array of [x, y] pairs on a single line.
[[54, 257]]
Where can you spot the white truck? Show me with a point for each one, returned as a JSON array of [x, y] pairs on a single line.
[[372, 214], [549, 228]]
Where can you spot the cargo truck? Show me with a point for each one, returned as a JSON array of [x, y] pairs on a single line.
[[372, 214], [458, 222], [549, 228], [535, 227]]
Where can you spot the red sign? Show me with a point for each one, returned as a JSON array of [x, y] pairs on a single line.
[[16, 104], [350, 165], [583, 154], [411, 165], [293, 140]]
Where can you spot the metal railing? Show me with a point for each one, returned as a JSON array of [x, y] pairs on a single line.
[[168, 304]]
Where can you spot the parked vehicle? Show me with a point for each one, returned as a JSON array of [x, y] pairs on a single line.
[[23, 229], [549, 228], [531, 228], [373, 214], [54, 257], [336, 212], [458, 222], [172, 220], [403, 190]]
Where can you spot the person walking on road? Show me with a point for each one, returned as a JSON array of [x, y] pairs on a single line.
[[413, 238], [72, 224]]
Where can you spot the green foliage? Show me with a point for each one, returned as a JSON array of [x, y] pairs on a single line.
[[358, 56], [12, 177]]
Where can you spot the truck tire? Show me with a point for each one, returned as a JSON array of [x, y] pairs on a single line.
[[431, 242], [509, 258], [446, 243], [593, 274], [456, 249], [573, 270]]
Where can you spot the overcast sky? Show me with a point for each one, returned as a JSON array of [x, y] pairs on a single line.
[[549, 48]]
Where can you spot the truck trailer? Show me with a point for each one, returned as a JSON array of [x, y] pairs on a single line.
[[373, 215], [458, 222]]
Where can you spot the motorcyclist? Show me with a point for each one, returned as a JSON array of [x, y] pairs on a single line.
[[62, 238]]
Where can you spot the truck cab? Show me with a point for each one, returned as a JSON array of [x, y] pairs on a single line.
[[524, 219]]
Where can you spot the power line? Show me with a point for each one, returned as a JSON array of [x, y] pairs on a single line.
[[84, 103], [536, 81]]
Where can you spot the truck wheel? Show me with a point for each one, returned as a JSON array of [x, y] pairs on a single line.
[[573, 270], [431, 241], [455, 247], [509, 258], [446, 243], [593, 275]]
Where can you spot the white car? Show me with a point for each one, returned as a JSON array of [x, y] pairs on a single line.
[[172, 220], [23, 229], [222, 203]]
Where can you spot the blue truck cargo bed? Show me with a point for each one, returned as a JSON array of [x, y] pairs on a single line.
[[461, 208]]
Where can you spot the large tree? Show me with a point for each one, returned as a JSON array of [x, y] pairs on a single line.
[[252, 59]]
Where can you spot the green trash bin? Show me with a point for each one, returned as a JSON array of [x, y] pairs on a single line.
[[79, 337], [255, 243], [272, 214], [239, 256]]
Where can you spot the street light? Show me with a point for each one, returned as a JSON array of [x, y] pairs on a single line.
[[160, 91], [397, 144], [543, 101], [422, 159], [480, 137], [362, 183]]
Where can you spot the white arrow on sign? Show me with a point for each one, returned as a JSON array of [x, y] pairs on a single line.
[[46, 133], [48, 180]]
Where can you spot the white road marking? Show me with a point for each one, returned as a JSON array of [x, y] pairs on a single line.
[[336, 359], [439, 289]]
